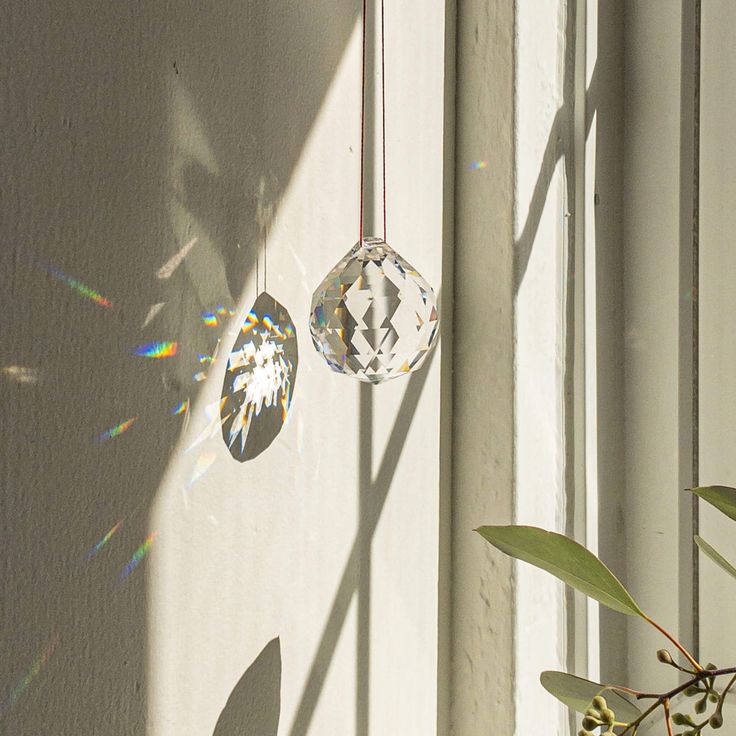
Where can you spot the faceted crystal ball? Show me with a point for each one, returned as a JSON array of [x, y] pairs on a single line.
[[373, 317]]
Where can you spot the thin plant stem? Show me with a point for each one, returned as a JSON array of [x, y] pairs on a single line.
[[668, 720], [684, 651]]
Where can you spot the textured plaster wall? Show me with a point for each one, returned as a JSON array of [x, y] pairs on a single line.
[[131, 129]]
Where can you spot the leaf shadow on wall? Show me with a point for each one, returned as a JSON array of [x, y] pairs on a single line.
[[254, 705]]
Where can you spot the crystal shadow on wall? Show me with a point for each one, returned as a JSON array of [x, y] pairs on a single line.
[[254, 706], [374, 317], [259, 380]]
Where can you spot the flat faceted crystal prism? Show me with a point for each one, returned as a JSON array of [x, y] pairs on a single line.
[[259, 380], [373, 317]]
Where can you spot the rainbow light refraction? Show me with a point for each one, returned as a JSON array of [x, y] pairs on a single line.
[[93, 552], [72, 283], [210, 319], [138, 556], [156, 349], [37, 666], [109, 434], [476, 165], [181, 407]]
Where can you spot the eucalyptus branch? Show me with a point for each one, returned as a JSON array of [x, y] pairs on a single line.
[[667, 634]]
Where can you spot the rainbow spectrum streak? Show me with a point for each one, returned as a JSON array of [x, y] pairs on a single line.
[[72, 283], [109, 434], [476, 165], [210, 319], [37, 666], [140, 553], [93, 552], [181, 407], [156, 349]]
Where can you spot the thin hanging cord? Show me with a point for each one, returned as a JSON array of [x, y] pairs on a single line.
[[362, 123], [257, 292], [383, 115], [265, 258], [383, 110]]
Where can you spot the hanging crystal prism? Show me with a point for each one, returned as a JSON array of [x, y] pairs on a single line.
[[373, 317], [259, 380]]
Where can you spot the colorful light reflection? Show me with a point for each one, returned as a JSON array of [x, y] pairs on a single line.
[[181, 407], [93, 552], [138, 556], [72, 283], [209, 319], [476, 165], [113, 432], [156, 349], [40, 662]]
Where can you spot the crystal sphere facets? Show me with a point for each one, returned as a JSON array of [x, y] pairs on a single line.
[[373, 317]]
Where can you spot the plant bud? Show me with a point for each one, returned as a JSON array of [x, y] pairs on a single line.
[[664, 657], [692, 690], [608, 715], [681, 719], [701, 705], [599, 702], [591, 723], [716, 720]]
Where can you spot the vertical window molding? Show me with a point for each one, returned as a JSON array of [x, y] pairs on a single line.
[[544, 182], [481, 593]]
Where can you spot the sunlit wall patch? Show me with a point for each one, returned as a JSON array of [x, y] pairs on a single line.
[[259, 380], [157, 349], [22, 374], [40, 662], [203, 463], [138, 556], [115, 431], [175, 261]]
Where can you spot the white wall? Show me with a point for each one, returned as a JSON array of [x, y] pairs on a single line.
[[133, 130]]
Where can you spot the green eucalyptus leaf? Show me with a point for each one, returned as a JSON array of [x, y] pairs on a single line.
[[722, 497], [714, 555], [566, 560], [577, 693]]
